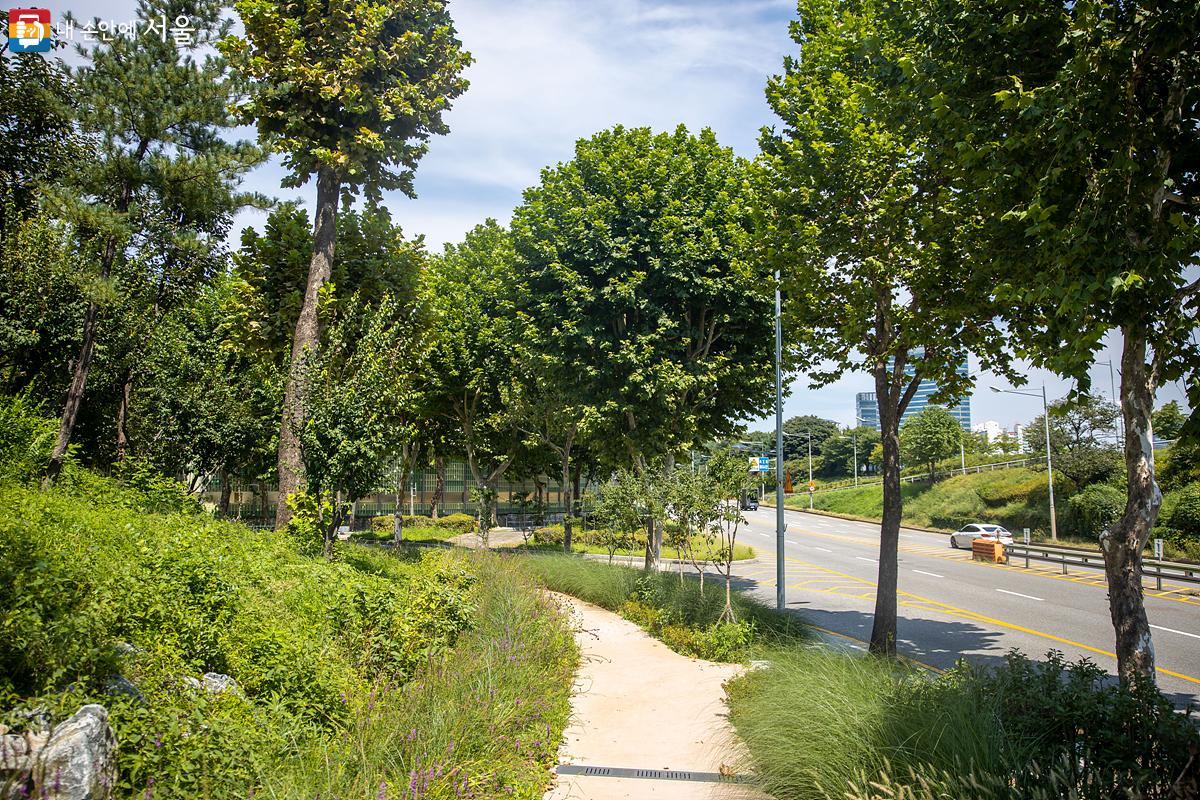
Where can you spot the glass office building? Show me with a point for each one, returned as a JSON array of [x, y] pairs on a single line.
[[868, 407]]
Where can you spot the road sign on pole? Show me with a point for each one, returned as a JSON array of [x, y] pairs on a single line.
[[760, 463]]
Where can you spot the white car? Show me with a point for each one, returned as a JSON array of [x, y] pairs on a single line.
[[979, 530]]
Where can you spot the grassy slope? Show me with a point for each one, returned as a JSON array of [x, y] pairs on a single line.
[[361, 676], [1015, 498]]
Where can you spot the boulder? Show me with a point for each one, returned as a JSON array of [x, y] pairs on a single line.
[[14, 753], [216, 683], [79, 762]]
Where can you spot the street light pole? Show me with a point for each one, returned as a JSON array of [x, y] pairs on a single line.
[[810, 491], [1049, 464], [780, 599], [855, 435], [1049, 459]]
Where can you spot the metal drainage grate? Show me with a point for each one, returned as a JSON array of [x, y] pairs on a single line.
[[650, 774]]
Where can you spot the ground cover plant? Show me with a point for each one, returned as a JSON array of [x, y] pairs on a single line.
[[819, 724], [424, 673], [672, 607]]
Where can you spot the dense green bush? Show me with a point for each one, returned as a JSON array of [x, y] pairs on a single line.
[[459, 523], [1184, 514], [1093, 510], [353, 672], [26, 438]]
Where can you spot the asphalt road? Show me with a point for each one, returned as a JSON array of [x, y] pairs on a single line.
[[950, 606]]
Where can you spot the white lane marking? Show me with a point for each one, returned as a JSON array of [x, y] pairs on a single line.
[[1172, 630], [864, 558], [1028, 597], [814, 547], [792, 541], [930, 574]]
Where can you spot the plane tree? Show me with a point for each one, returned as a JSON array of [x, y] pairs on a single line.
[[350, 92], [858, 215], [1076, 128], [634, 263]]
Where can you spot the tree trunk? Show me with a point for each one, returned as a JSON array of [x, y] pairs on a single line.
[[883, 631], [306, 340], [439, 487], [1122, 543], [226, 493], [123, 414], [566, 483], [653, 549], [79, 375]]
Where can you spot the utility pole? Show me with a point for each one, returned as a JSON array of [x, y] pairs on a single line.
[[1049, 459], [780, 527]]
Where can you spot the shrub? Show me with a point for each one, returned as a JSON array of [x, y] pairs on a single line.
[[354, 672], [26, 438], [1184, 516], [1094, 509], [459, 523]]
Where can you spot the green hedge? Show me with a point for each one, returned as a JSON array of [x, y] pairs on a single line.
[[459, 523]]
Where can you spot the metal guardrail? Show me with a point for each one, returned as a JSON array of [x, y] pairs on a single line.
[[1074, 557]]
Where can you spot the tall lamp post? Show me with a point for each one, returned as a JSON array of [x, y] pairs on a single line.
[[780, 527], [1049, 464]]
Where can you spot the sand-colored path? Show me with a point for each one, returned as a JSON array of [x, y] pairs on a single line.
[[638, 705]]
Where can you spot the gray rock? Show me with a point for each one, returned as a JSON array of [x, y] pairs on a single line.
[[124, 648], [216, 683], [192, 683], [79, 762], [14, 753], [36, 719]]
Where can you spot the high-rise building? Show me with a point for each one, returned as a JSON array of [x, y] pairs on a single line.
[[961, 411], [867, 404], [867, 409]]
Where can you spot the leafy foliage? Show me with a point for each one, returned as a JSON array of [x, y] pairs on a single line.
[[930, 436]]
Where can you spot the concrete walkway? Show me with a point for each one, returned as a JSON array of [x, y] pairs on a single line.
[[640, 707]]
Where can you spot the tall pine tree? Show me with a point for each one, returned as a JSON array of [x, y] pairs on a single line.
[[162, 187]]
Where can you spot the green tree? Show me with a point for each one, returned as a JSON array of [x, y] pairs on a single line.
[[360, 386], [473, 360], [930, 436], [161, 185], [1168, 421], [837, 457], [348, 91], [858, 216], [1075, 126], [800, 429], [1080, 440], [638, 248], [38, 139]]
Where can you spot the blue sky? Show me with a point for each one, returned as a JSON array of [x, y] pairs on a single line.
[[548, 72]]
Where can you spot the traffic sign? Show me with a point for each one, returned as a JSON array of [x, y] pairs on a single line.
[[760, 463], [812, 486]]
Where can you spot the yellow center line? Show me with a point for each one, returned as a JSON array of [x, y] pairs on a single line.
[[924, 603]]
